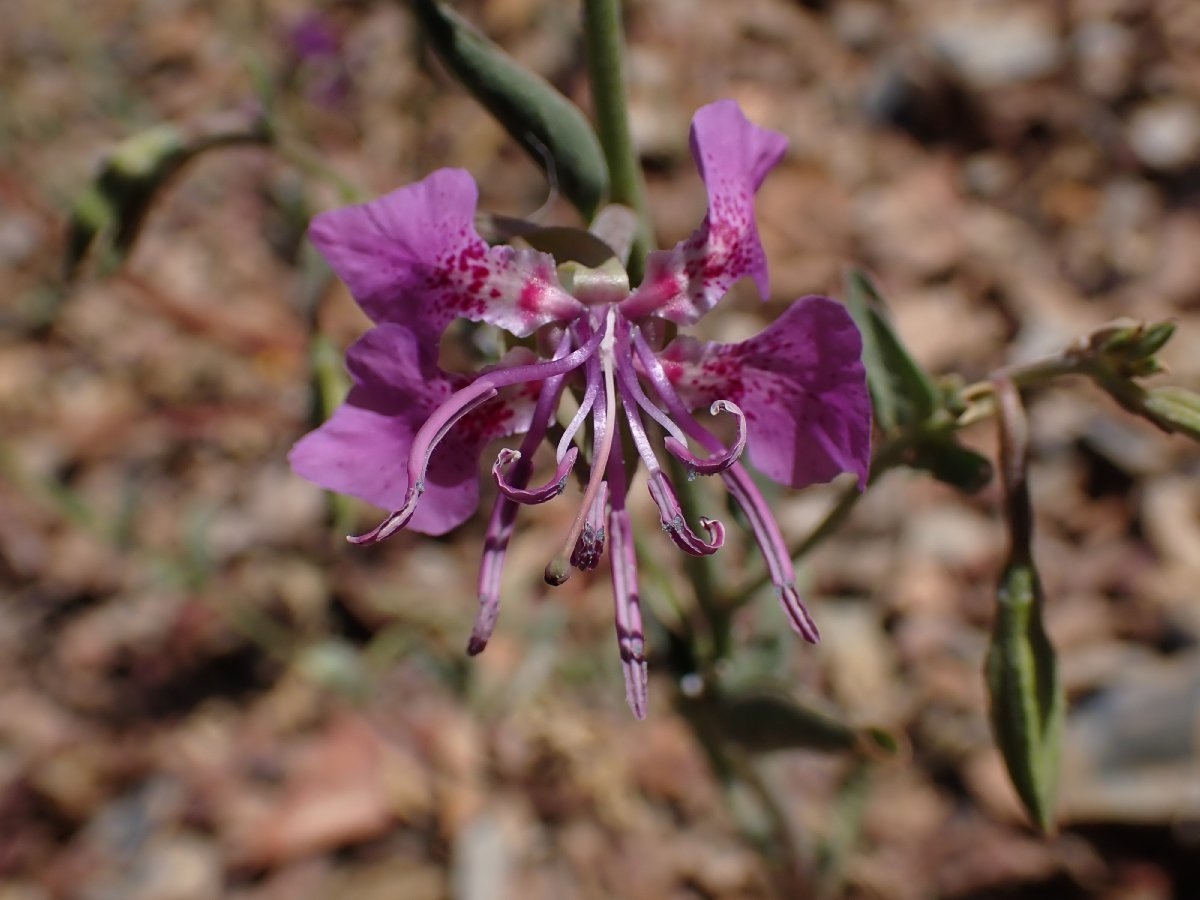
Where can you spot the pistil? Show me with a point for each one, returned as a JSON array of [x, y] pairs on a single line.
[[558, 570]]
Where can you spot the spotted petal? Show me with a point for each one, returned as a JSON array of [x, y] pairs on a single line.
[[414, 257], [363, 449], [733, 156], [801, 384]]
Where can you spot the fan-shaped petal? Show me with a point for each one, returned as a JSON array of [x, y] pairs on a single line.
[[414, 257], [801, 384], [733, 156]]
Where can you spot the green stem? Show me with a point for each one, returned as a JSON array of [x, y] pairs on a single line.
[[1027, 375], [602, 31], [753, 804]]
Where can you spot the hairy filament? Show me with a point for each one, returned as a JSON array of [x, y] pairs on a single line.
[[714, 464], [427, 438], [631, 387]]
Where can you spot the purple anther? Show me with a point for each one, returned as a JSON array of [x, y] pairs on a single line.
[[590, 545]]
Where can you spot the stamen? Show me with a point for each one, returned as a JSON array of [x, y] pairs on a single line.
[[590, 546], [631, 639], [637, 434], [457, 405], [676, 526], [632, 387], [558, 569], [504, 510], [719, 462], [773, 548], [427, 438], [529, 497], [661, 488], [568, 435], [743, 490]]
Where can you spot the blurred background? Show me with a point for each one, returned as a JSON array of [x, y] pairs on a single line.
[[204, 692]]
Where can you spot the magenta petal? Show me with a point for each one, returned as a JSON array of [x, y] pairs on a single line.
[[801, 384], [413, 257], [363, 449], [733, 156]]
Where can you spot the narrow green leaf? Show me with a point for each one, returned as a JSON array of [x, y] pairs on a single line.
[[1027, 703], [951, 463], [763, 721], [901, 391], [551, 129]]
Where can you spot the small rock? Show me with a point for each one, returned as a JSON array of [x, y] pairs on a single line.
[[179, 867], [994, 46], [989, 174], [1165, 134]]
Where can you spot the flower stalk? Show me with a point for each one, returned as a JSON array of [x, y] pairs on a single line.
[[604, 39]]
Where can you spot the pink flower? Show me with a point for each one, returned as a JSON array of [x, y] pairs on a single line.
[[414, 263]]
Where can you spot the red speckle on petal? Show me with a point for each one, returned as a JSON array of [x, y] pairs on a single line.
[[673, 370], [532, 297]]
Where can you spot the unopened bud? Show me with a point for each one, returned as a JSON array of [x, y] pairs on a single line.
[[1129, 349]]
